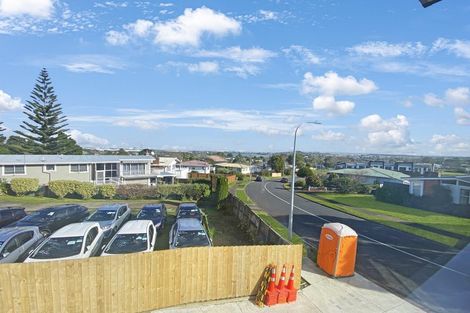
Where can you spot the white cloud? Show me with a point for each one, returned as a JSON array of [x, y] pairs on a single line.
[[91, 63], [385, 49], [451, 143], [408, 103], [87, 139], [332, 84], [382, 132], [8, 103], [267, 15], [460, 48], [301, 55], [166, 4], [140, 28], [34, 8], [251, 55], [433, 100], [329, 135], [189, 28], [422, 69], [453, 96], [462, 116], [110, 4], [331, 106], [204, 67], [243, 70], [116, 38]]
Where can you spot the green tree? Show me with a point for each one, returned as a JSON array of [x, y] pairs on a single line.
[[122, 152], [67, 145], [277, 163], [313, 180], [222, 191], [45, 120], [299, 159], [305, 171], [2, 137], [20, 145]]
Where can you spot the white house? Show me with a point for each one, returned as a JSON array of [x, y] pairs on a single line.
[[184, 168], [459, 187], [235, 167]]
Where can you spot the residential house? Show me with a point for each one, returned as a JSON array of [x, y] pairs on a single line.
[[214, 159], [351, 165], [369, 176], [184, 168], [459, 187], [98, 169], [376, 164], [235, 167], [165, 168], [404, 167]]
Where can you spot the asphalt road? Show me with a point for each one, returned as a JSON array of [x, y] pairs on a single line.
[[399, 262]]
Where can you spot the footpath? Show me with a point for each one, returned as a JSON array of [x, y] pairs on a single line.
[[324, 294]]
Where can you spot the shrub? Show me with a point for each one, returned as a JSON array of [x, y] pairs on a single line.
[[85, 190], [136, 191], [3, 187], [107, 191], [23, 186], [314, 181], [240, 176], [300, 183], [62, 188], [222, 191], [305, 171], [393, 193]]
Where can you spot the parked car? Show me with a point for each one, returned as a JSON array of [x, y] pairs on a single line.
[[188, 232], [284, 180], [154, 212], [111, 217], [73, 241], [50, 219], [259, 178], [188, 210], [9, 215], [17, 242], [134, 236]]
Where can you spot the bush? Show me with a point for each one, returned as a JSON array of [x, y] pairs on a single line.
[[222, 191], [305, 171], [3, 188], [62, 188], [313, 181], [240, 176], [23, 186], [136, 191], [300, 183], [393, 193], [107, 191], [85, 190]]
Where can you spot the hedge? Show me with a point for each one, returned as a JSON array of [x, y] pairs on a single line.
[[3, 188], [85, 190], [188, 191], [62, 188], [23, 186], [136, 191], [107, 191]]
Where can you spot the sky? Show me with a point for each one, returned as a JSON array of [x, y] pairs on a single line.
[[380, 76]]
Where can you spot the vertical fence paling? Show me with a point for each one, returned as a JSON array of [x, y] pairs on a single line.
[[140, 282]]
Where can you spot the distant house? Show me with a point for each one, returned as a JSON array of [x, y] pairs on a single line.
[[369, 176], [97, 169], [459, 187], [235, 167], [214, 159], [406, 167], [350, 165], [376, 164], [184, 168], [165, 168]]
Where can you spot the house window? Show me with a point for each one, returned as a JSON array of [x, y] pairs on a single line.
[[129, 169], [14, 170], [464, 196], [49, 168], [78, 168]]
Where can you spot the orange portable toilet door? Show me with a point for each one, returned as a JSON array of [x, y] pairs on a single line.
[[327, 251]]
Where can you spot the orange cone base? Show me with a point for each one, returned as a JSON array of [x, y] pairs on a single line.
[[282, 297], [292, 295], [270, 298]]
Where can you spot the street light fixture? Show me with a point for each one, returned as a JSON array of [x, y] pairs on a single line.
[[291, 214]]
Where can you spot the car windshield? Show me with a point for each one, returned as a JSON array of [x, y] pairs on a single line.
[[39, 216], [102, 215], [189, 212], [149, 212], [192, 238], [128, 243], [56, 248]]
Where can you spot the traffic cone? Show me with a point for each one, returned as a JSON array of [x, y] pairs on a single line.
[[271, 293], [292, 292], [281, 287]]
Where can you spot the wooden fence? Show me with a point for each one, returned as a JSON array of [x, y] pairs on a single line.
[[140, 282]]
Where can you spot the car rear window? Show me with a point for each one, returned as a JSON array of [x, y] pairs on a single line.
[[128, 243]]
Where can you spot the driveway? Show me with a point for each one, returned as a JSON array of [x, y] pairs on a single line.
[[397, 261]]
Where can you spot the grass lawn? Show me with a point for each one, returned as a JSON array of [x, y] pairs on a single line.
[[446, 229]]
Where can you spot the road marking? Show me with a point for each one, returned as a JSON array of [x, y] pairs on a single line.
[[372, 239]]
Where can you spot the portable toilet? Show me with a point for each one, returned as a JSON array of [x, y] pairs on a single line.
[[337, 250]]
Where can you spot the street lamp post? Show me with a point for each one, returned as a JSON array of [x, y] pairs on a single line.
[[292, 186]]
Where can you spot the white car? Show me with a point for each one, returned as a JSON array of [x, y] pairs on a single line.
[[111, 217], [74, 241], [134, 236], [15, 242]]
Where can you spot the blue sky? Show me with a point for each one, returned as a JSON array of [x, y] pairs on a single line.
[[381, 76]]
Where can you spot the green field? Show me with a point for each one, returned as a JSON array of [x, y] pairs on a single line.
[[449, 230]]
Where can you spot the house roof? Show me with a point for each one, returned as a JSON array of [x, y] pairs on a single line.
[[216, 158], [165, 161], [232, 165], [460, 178], [6, 159], [372, 172], [194, 163]]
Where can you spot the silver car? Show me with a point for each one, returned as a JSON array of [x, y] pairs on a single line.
[[188, 232], [16, 242], [111, 217]]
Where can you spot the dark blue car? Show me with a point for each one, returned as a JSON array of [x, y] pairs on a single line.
[[154, 212]]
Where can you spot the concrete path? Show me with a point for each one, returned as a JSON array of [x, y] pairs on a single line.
[[324, 295]]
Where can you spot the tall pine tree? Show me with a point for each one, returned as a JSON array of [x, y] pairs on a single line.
[[46, 124]]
